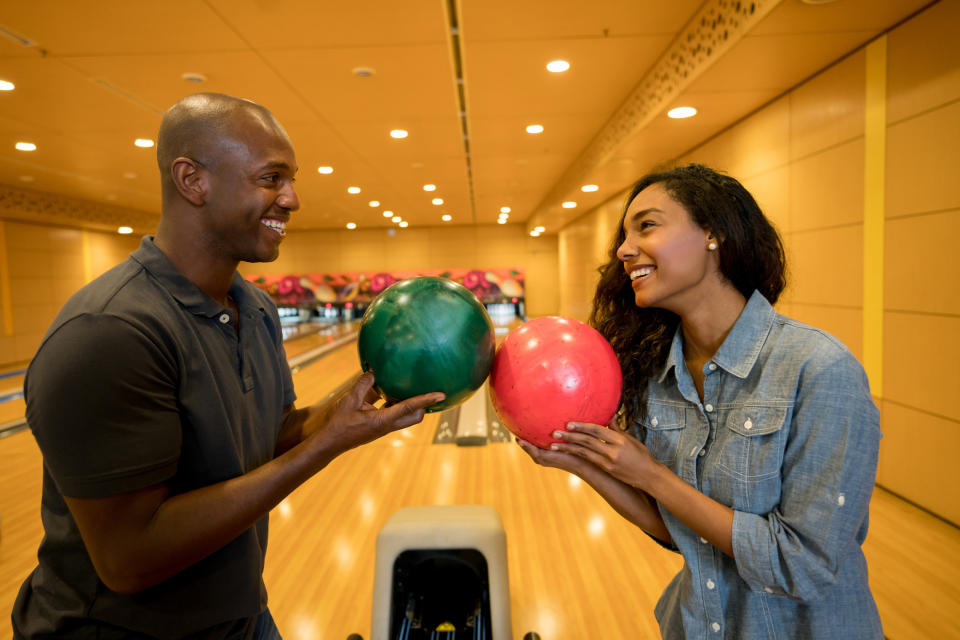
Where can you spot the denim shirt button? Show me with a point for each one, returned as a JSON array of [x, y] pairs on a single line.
[[768, 589], [712, 366], [715, 626], [748, 424], [703, 540], [711, 584], [224, 318], [654, 422], [703, 452], [709, 408]]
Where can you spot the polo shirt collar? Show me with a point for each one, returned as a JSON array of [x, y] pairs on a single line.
[[741, 348], [189, 295]]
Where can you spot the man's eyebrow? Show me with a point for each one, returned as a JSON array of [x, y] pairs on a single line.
[[279, 165]]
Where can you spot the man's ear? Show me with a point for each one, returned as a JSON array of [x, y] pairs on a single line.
[[190, 179]]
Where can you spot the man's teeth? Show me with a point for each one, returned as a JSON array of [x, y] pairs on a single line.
[[639, 273], [276, 225]]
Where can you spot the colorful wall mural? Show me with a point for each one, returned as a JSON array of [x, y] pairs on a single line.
[[489, 285]]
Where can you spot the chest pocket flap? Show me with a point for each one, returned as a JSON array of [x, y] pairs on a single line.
[[664, 424], [756, 421]]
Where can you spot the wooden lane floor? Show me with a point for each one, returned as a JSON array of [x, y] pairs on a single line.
[[576, 569]]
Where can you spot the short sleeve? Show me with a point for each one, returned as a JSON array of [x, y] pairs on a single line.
[[101, 402]]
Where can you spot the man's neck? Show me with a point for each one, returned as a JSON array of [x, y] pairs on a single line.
[[212, 275]]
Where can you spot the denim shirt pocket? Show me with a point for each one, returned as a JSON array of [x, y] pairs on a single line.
[[753, 442], [664, 423], [749, 464]]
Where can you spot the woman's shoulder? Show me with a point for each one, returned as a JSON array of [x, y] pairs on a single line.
[[816, 351]]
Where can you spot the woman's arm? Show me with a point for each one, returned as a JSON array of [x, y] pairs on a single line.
[[634, 505]]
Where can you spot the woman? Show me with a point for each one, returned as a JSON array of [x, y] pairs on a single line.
[[751, 439]]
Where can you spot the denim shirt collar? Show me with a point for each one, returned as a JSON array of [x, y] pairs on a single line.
[[740, 349], [183, 289]]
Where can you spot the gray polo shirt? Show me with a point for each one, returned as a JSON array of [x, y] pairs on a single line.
[[142, 379]]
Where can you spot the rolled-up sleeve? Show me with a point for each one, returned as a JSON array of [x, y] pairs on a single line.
[[828, 474]]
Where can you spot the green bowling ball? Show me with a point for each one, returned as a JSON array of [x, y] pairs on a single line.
[[427, 334]]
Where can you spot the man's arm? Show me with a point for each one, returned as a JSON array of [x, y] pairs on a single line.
[[141, 538]]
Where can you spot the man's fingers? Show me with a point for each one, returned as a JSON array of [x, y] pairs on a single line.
[[411, 410], [362, 386]]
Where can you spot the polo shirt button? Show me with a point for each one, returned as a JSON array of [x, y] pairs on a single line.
[[768, 589], [715, 626], [709, 408], [712, 366], [654, 422], [224, 318], [710, 584]]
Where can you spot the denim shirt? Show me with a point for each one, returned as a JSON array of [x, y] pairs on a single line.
[[787, 435]]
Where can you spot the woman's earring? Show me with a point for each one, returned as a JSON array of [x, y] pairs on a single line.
[[712, 246]]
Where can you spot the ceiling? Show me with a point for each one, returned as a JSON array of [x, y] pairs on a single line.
[[463, 77]]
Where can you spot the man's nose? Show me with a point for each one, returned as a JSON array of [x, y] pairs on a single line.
[[288, 198]]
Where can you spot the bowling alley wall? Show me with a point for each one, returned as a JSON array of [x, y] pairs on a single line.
[[858, 168]]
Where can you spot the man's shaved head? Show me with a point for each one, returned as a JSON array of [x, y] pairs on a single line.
[[203, 127]]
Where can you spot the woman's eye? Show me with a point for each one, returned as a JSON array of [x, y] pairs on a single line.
[[646, 224]]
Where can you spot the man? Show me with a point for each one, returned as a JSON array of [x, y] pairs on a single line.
[[163, 405]]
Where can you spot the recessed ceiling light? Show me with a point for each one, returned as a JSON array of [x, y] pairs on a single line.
[[351, 225], [437, 201], [6, 85], [363, 72], [124, 230], [399, 133], [404, 223], [325, 170], [534, 233], [353, 190], [396, 219], [504, 209], [681, 112], [558, 66], [429, 187], [534, 128], [143, 143], [25, 146], [504, 216], [387, 213], [588, 188], [569, 204], [539, 229], [374, 203], [446, 217], [502, 221], [196, 78]]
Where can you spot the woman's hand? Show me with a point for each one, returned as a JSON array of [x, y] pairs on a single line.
[[616, 452], [555, 459]]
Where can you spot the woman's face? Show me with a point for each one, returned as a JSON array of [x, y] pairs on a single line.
[[665, 253]]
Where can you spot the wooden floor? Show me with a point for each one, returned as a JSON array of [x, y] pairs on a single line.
[[577, 570]]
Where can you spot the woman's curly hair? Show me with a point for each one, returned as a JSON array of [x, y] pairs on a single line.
[[751, 258]]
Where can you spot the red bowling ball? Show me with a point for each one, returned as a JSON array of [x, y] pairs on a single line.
[[552, 371]]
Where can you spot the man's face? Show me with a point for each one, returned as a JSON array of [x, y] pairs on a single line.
[[251, 192]]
